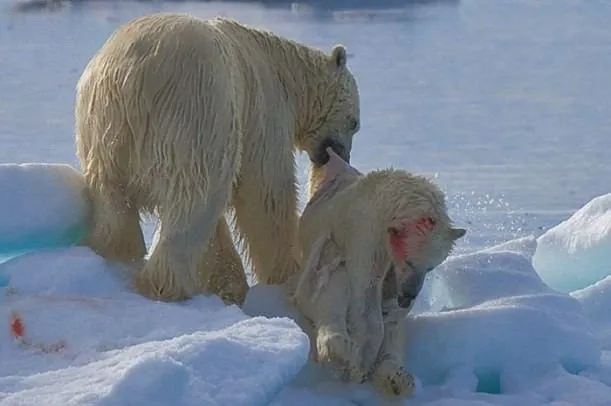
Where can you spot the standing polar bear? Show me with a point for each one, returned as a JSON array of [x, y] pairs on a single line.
[[189, 118]]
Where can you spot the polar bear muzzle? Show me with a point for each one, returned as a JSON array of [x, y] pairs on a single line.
[[321, 156], [410, 288], [402, 286]]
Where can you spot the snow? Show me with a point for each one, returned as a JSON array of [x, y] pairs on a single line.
[[522, 322], [26, 224], [596, 302], [575, 253], [501, 317], [486, 330], [121, 349]]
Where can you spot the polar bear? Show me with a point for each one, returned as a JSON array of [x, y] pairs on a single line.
[[368, 242], [196, 119]]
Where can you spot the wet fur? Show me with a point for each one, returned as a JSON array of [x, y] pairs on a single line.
[[347, 291], [189, 119]]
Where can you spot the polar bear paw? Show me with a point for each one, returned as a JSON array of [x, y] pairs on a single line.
[[341, 350], [158, 282], [392, 379]]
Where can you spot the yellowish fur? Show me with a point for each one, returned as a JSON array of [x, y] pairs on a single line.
[[344, 292], [316, 175], [225, 274], [188, 118]]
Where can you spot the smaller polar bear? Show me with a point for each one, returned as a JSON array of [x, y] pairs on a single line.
[[368, 242]]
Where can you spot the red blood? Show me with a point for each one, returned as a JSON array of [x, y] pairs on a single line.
[[397, 242], [408, 238], [17, 327]]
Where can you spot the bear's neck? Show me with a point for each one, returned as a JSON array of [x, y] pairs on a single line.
[[300, 75]]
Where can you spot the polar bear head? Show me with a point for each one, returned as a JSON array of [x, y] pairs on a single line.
[[420, 233], [331, 114], [408, 212]]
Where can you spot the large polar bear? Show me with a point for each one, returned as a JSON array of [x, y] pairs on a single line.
[[189, 118], [368, 242]]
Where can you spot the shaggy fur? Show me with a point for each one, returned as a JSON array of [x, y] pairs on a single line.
[[353, 292], [189, 118]]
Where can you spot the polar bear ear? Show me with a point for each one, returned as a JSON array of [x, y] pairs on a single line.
[[339, 56]]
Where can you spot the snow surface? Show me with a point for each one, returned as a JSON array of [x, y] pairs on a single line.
[[121, 349], [577, 252], [42, 206], [486, 330]]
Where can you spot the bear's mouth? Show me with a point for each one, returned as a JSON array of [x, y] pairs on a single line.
[[410, 287], [321, 157]]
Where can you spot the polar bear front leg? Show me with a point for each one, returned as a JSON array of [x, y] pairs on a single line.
[[333, 341], [370, 318], [365, 315], [265, 203], [389, 375]]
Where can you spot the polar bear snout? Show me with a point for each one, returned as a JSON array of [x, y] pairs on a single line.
[[409, 288], [320, 156]]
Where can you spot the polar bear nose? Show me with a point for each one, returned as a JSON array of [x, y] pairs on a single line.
[[405, 301], [321, 157], [410, 288]]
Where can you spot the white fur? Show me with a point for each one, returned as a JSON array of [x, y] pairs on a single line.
[[189, 118], [343, 290]]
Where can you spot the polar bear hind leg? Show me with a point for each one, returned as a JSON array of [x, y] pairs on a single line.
[[179, 259], [193, 196], [115, 231], [222, 272]]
